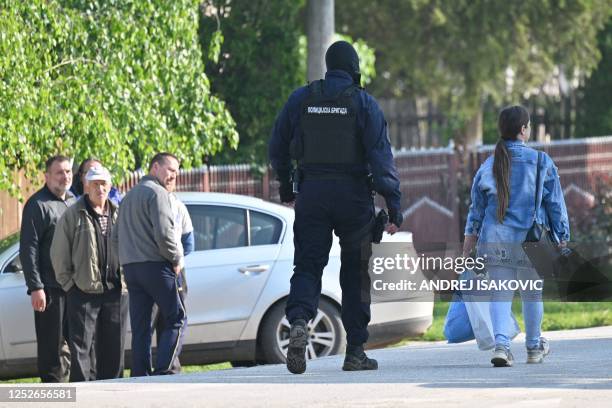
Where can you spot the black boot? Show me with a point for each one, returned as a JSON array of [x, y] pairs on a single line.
[[356, 360], [298, 340]]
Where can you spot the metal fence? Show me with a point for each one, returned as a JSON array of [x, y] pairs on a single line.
[[412, 126], [419, 123]]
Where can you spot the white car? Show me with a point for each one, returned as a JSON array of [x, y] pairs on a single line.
[[238, 282]]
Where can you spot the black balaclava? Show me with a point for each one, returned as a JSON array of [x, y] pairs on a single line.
[[341, 55]]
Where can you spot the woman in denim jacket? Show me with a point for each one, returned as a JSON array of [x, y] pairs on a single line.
[[501, 213]]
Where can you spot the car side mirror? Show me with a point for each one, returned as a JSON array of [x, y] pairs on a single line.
[[14, 267]]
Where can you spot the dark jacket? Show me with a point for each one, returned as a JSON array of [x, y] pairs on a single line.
[[371, 126], [40, 215], [76, 251]]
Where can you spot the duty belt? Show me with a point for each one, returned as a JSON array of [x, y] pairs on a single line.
[[334, 176]]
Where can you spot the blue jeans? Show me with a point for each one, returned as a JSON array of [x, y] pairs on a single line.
[[506, 260], [501, 306]]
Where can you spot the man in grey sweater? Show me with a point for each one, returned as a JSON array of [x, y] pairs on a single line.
[[151, 262]]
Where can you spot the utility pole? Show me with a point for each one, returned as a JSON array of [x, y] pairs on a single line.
[[320, 32]]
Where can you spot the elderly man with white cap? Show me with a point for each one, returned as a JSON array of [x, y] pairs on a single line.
[[87, 268]]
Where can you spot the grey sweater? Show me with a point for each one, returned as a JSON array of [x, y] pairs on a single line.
[[145, 227]]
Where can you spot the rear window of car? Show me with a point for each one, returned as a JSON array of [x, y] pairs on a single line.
[[265, 229], [218, 227]]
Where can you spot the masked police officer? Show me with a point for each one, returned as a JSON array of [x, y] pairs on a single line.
[[337, 134]]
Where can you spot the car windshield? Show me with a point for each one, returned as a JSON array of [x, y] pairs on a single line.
[[8, 241]]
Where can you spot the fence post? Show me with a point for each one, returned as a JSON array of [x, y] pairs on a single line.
[[453, 169], [265, 188], [206, 179]]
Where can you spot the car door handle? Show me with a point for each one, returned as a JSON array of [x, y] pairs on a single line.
[[253, 269]]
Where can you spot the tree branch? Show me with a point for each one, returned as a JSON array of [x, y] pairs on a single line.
[[73, 61]]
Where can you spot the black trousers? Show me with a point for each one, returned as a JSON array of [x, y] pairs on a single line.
[[345, 208], [99, 316], [51, 328]]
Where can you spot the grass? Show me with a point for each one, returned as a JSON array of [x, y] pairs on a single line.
[[126, 373], [557, 316], [34, 380]]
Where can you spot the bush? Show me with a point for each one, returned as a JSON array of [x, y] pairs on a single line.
[[117, 79]]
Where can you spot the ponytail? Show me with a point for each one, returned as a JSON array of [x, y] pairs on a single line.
[[501, 173], [510, 122]]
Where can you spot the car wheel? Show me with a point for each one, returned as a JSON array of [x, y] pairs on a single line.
[[326, 334]]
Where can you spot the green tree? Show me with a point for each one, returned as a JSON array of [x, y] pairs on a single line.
[[262, 60], [595, 111], [117, 79], [458, 53], [258, 66]]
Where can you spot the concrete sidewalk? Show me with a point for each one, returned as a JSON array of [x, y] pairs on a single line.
[[578, 372]]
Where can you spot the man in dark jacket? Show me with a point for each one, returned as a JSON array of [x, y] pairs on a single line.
[[87, 267], [338, 135], [40, 215]]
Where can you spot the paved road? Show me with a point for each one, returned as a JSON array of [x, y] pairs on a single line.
[[578, 372]]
